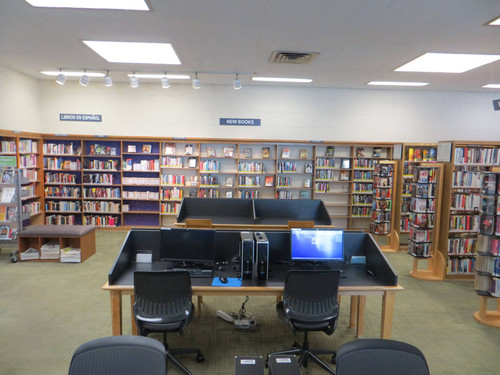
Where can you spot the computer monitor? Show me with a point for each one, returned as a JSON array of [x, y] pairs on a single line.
[[317, 245], [190, 245]]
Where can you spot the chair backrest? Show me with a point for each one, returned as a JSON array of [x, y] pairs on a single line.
[[162, 294], [124, 355], [380, 357], [300, 224], [311, 296], [199, 223]]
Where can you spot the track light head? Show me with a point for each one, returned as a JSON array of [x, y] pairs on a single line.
[[196, 82], [108, 81], [61, 78], [134, 81], [84, 80], [165, 83], [237, 82]]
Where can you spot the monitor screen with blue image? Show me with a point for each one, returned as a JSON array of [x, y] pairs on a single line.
[[317, 245]]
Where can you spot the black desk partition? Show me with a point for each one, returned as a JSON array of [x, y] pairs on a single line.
[[227, 244], [254, 211]]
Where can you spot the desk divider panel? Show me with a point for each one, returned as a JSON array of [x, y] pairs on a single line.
[[214, 208], [307, 209]]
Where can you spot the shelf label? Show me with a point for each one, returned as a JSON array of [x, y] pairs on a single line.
[[240, 121], [8, 161], [79, 117]]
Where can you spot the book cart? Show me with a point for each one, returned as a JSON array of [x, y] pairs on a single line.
[[487, 278], [462, 185], [425, 209], [408, 156], [382, 210]]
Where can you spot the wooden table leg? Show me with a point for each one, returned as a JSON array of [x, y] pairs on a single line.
[[387, 313], [360, 327], [200, 301], [134, 326], [354, 312], [116, 312]]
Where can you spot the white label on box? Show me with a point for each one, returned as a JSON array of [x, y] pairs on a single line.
[[283, 360], [247, 362], [144, 258]]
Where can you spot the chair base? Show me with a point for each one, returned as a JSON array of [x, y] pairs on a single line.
[[305, 353], [170, 357]]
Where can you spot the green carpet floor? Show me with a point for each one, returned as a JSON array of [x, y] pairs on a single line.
[[48, 309]]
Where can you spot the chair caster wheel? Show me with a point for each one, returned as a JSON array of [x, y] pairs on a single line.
[[334, 359], [266, 363], [200, 358]]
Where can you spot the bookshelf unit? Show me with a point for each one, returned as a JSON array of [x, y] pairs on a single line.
[[487, 277], [257, 171], [384, 186], [62, 165], [141, 183], [294, 171], [462, 184], [425, 210], [412, 155]]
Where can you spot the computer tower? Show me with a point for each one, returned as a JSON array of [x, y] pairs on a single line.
[[246, 255], [261, 256]]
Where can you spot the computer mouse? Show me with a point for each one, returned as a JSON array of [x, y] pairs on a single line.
[[223, 280]]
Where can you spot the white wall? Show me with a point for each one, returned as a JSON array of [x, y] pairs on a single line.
[[19, 101], [286, 113]]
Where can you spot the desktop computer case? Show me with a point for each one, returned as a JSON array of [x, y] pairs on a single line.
[[261, 256], [247, 250]]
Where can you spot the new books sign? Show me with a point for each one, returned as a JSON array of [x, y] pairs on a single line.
[[79, 117], [240, 121]]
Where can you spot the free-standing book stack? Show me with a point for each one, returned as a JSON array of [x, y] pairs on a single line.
[[71, 255], [50, 250], [29, 254]]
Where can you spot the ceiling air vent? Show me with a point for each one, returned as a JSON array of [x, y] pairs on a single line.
[[286, 57]]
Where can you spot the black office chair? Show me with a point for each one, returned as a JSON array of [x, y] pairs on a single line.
[[124, 355], [163, 304], [310, 304], [380, 357]]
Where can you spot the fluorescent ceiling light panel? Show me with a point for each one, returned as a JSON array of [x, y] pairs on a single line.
[[277, 79], [492, 86], [495, 22], [391, 83], [159, 76], [71, 74], [447, 62], [91, 4], [137, 53]]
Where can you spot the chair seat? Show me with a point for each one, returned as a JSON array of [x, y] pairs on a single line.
[[300, 325]]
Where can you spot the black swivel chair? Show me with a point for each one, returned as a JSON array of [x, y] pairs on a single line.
[[310, 304], [163, 304], [380, 357], [124, 355]]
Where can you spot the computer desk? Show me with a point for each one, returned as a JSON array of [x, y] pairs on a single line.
[[357, 284]]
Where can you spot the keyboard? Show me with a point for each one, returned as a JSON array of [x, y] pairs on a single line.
[[194, 272]]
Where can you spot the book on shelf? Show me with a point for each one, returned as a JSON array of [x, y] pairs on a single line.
[[308, 168], [247, 152], [7, 194], [4, 232], [169, 149], [377, 152], [330, 151], [192, 162], [228, 151], [269, 181], [487, 224], [344, 176], [423, 176], [11, 213], [131, 148], [229, 194], [146, 149], [303, 153], [266, 152], [345, 163], [304, 194], [307, 183], [229, 182], [188, 149], [285, 153], [7, 176], [211, 152], [360, 152]]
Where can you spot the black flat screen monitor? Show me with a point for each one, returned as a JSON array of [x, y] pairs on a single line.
[[317, 245], [190, 245]]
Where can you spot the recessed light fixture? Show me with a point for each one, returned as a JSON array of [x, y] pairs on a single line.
[[495, 22], [137, 53], [278, 79], [55, 73], [395, 83], [447, 62], [159, 76], [91, 4], [492, 86]]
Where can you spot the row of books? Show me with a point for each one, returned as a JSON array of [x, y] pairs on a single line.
[[101, 220], [30, 174], [468, 177], [141, 165], [420, 234], [101, 165], [101, 192], [100, 178], [98, 149], [251, 180], [487, 285], [27, 161], [380, 228], [490, 204], [362, 175], [423, 205], [173, 162], [364, 163], [488, 265], [489, 224], [385, 170], [172, 193], [382, 181], [464, 223], [382, 204], [209, 193], [61, 149], [144, 195], [362, 187], [421, 154], [27, 146], [8, 232], [60, 220], [488, 245], [466, 202], [210, 166], [424, 175], [420, 220], [420, 190], [404, 224], [461, 246], [56, 163], [325, 163], [361, 211], [61, 178], [460, 266], [382, 192], [381, 216], [62, 192], [252, 167], [63, 206], [419, 249], [365, 199], [101, 206], [476, 155], [144, 181], [31, 208], [208, 180], [7, 147], [170, 207]]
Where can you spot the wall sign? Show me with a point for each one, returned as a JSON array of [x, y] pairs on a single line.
[[240, 121], [8, 161], [79, 117]]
